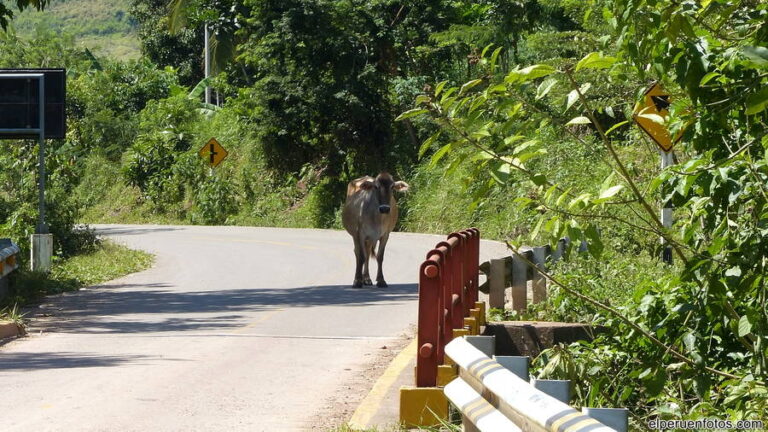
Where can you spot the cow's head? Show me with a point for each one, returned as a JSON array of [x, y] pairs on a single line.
[[382, 187]]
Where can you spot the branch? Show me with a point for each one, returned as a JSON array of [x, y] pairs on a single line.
[[669, 349], [623, 171]]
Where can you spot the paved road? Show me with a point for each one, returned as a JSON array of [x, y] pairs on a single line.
[[233, 329]]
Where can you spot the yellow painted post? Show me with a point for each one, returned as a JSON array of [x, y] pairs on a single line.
[[481, 319], [471, 324], [423, 406], [457, 333], [445, 374]]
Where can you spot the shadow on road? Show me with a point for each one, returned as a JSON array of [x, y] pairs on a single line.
[[26, 361], [129, 308]]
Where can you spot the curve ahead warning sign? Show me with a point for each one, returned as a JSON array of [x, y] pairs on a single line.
[[651, 114]]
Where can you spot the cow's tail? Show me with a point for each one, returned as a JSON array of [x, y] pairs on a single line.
[[373, 251]]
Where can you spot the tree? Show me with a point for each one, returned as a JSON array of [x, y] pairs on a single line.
[[7, 14], [695, 343]]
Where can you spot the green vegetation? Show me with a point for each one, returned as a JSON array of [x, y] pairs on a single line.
[[105, 261], [512, 116], [103, 27], [11, 314]]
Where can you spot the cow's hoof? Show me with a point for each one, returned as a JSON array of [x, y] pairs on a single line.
[[381, 284], [367, 281], [357, 284]]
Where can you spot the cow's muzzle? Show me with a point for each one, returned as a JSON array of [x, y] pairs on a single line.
[[384, 209]]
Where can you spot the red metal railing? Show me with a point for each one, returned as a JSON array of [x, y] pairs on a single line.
[[447, 291]]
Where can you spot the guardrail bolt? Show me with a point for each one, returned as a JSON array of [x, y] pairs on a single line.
[[426, 350]]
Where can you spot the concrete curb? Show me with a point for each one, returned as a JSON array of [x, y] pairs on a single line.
[[9, 330]]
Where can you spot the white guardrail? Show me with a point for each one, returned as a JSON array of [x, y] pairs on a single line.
[[491, 398], [8, 252]]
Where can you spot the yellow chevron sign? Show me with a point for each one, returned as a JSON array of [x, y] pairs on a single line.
[[648, 112]]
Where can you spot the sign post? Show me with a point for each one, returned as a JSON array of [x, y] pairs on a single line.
[[650, 114], [23, 111]]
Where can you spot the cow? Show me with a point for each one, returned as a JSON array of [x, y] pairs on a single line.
[[369, 215]]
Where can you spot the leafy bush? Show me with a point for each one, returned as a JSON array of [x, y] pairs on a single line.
[[165, 133]]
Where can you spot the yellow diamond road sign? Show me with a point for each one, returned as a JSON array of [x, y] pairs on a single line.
[[213, 152], [648, 112]]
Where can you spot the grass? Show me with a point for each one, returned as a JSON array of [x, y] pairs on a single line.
[[13, 315], [108, 261], [105, 27]]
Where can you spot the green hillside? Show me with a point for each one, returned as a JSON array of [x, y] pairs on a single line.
[[105, 27]]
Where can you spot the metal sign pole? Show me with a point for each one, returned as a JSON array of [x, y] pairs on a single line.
[[666, 209], [207, 65], [42, 228]]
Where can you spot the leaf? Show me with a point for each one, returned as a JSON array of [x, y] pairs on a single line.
[[690, 341], [573, 96], [595, 60], [199, 89], [428, 143], [745, 327], [536, 229], [610, 192], [439, 88], [708, 77], [439, 154], [530, 73], [594, 242], [578, 120], [757, 54], [653, 117], [468, 85], [545, 87], [177, 19], [411, 113], [733, 271], [501, 173], [616, 126], [757, 102], [495, 57]]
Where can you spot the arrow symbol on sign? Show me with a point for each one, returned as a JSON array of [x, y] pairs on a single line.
[[661, 102], [213, 153]]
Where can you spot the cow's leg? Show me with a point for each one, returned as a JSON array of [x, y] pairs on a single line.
[[367, 247], [358, 282], [380, 282]]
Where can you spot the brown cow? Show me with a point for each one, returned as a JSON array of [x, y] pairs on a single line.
[[369, 215]]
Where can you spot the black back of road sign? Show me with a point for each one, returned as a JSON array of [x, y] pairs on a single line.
[[19, 103]]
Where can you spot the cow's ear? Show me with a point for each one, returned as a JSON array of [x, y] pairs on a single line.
[[401, 186], [367, 185]]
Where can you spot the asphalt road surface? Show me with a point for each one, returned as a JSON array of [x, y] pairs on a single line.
[[232, 329]]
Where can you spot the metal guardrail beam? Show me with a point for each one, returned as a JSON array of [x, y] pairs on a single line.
[[527, 407], [483, 416], [8, 252]]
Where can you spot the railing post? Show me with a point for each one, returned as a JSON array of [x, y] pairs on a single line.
[[461, 308], [429, 339], [519, 284], [539, 282]]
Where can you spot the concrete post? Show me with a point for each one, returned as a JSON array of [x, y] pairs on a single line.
[[42, 251], [496, 284], [558, 389], [486, 344], [518, 365], [617, 418]]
